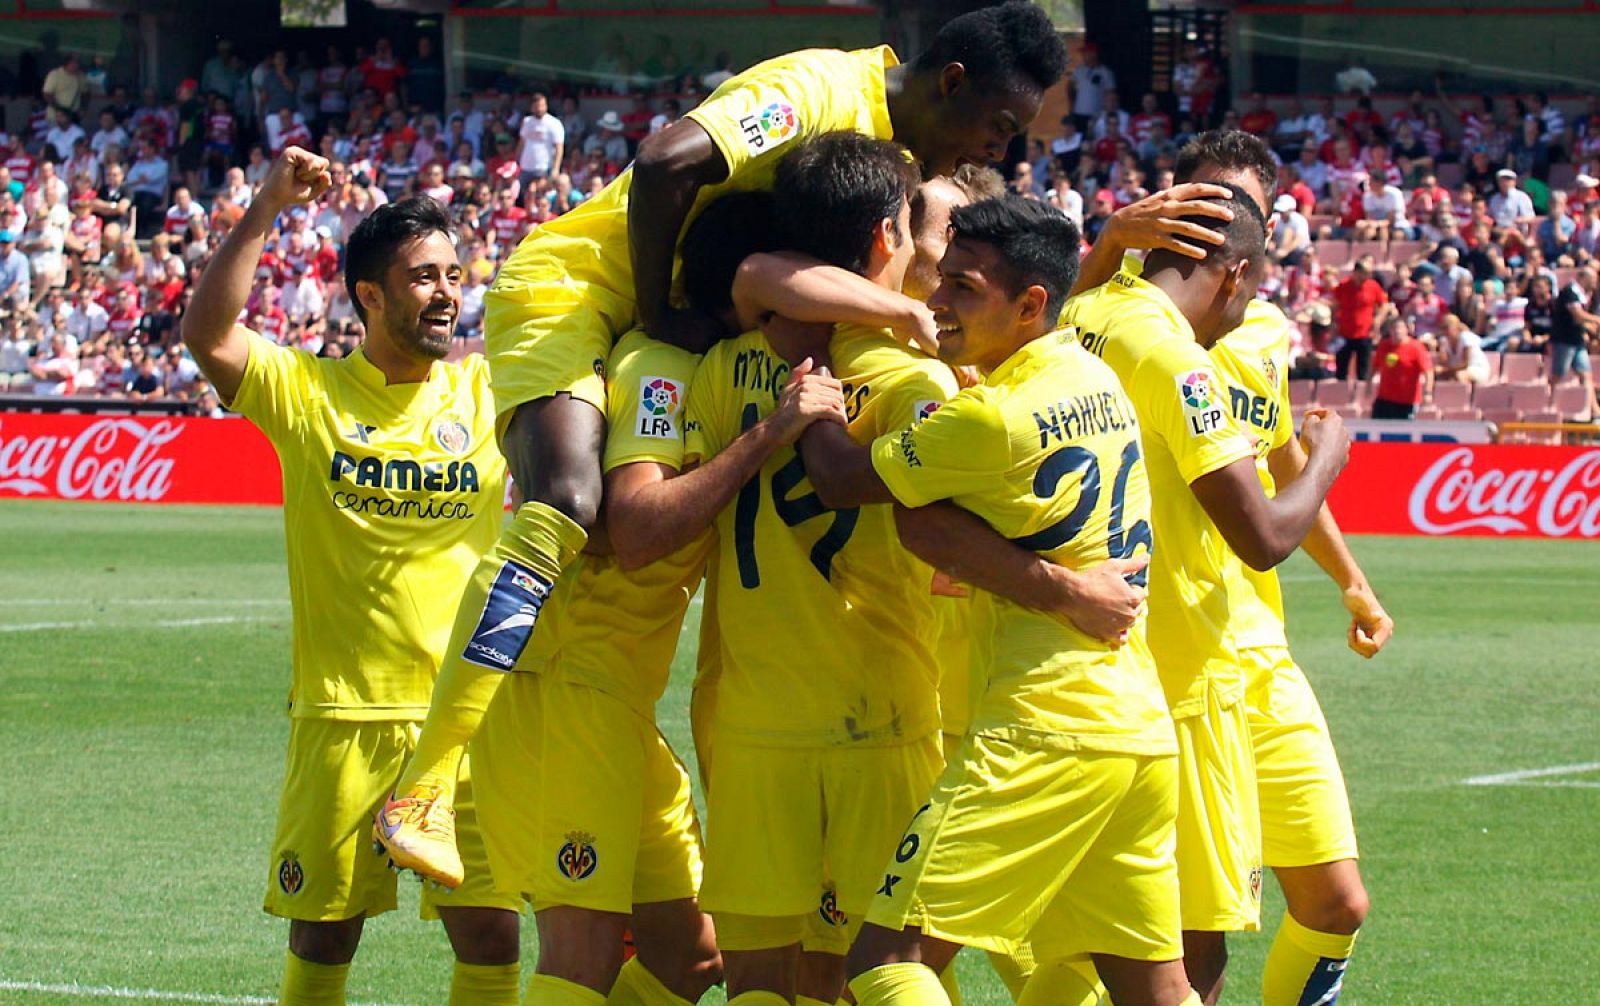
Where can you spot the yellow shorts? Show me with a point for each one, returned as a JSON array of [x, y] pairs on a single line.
[[1305, 811], [1070, 851], [323, 866], [796, 834], [583, 802], [543, 336], [1219, 820]]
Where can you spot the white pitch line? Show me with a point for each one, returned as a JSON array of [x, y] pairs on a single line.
[[164, 623], [1524, 777], [158, 995]]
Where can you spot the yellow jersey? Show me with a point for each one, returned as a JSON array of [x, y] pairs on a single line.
[[605, 627], [1046, 451], [824, 619], [753, 118], [390, 495], [1187, 432], [1253, 360], [953, 649]]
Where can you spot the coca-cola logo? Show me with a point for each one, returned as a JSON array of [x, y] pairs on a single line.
[[1452, 496], [115, 458]]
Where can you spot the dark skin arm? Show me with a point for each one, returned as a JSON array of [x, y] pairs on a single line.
[[671, 168], [1154, 222], [1263, 531]]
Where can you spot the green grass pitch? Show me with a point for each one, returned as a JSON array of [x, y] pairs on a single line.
[[144, 653]]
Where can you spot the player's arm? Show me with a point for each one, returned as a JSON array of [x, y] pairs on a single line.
[[1156, 221], [669, 171], [805, 289], [1370, 626], [1264, 530], [652, 511], [220, 346]]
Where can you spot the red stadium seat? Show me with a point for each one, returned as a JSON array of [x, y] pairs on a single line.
[[1401, 252], [1302, 392], [1468, 415], [1452, 395], [1332, 394], [1429, 412], [1374, 248], [1333, 254], [1522, 368], [1530, 397], [1552, 437], [1571, 400], [1501, 416], [1494, 356], [1493, 398]]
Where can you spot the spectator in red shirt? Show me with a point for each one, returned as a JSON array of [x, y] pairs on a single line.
[[1356, 303], [1425, 310], [1260, 120], [508, 223], [382, 71], [124, 315], [1145, 120], [1404, 374]]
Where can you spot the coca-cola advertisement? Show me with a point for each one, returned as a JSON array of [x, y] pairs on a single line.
[[1478, 489], [136, 459]]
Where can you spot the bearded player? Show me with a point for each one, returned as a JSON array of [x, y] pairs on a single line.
[[392, 489]]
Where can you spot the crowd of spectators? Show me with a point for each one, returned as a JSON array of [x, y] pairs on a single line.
[[1464, 222]]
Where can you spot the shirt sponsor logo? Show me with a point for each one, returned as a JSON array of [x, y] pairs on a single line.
[[771, 127], [509, 614], [1202, 406], [660, 401], [925, 409]]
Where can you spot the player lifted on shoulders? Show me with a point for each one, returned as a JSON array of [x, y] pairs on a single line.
[[1069, 765], [1308, 836], [392, 489], [581, 280]]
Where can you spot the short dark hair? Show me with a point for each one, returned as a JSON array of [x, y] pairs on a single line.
[[1037, 243], [1245, 236], [836, 188], [728, 231], [372, 244], [974, 181], [1231, 150], [1009, 47]]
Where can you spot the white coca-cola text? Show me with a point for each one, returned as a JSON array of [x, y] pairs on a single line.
[[115, 458], [1453, 496]]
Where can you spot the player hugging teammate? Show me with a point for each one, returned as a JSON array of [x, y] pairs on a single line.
[[991, 653]]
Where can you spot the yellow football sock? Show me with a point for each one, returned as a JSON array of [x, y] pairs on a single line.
[[951, 985], [1192, 999], [308, 984], [1066, 981], [548, 990], [899, 985], [485, 984], [758, 997], [1305, 966], [637, 986], [1013, 968], [493, 623]]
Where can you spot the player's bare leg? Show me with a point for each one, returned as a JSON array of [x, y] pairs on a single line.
[[898, 966], [319, 961], [488, 948], [1143, 983], [821, 978], [552, 447], [676, 959], [1327, 904], [762, 974], [1205, 958]]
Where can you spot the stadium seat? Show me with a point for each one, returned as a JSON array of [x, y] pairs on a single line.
[[1571, 400], [1494, 358], [1530, 397], [1319, 221], [1522, 368], [1429, 412], [1332, 394], [1351, 412], [1552, 437], [1333, 254], [1302, 392], [1374, 248], [1404, 251], [1493, 398], [1468, 415], [1500, 417], [1452, 395]]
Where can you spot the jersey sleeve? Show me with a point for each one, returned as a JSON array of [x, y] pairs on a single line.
[[963, 447], [276, 385], [647, 392], [1177, 389], [909, 396], [708, 423], [764, 111]]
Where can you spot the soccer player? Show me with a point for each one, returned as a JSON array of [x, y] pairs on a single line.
[[1308, 836], [1211, 513], [1054, 822], [581, 280], [825, 727], [392, 489], [585, 808]]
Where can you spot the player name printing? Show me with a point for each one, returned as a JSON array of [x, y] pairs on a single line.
[[1453, 495], [110, 459]]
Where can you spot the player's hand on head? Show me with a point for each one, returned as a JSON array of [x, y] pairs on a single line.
[[797, 340], [296, 176], [808, 397], [1156, 221], [1370, 625], [1323, 432], [1101, 602]]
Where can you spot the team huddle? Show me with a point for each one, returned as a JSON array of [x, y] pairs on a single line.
[[990, 653]]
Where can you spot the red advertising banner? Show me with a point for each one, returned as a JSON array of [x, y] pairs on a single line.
[[143, 459], [1476, 489]]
